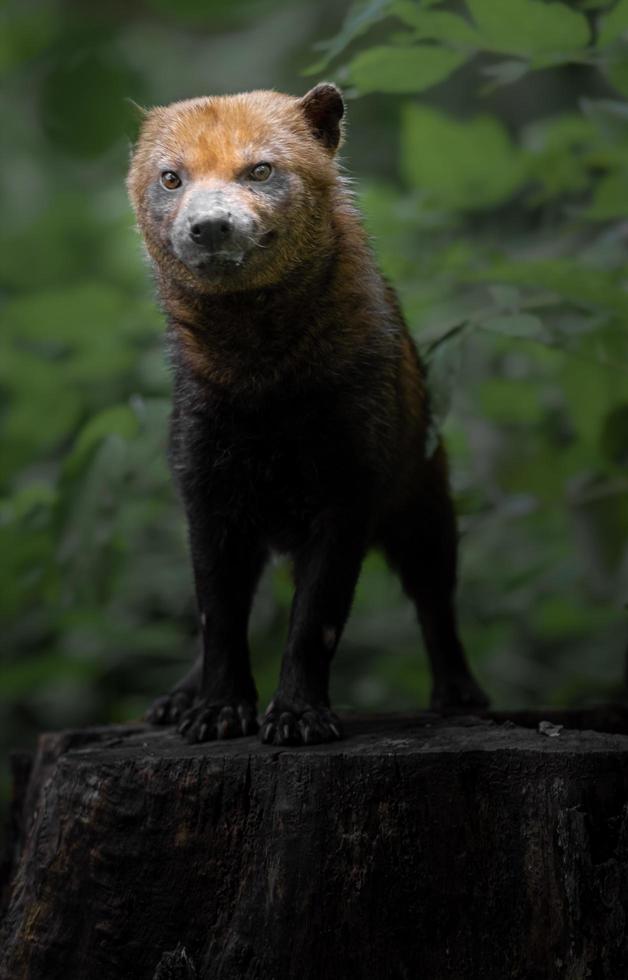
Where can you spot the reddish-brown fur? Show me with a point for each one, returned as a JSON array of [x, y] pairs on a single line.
[[307, 312]]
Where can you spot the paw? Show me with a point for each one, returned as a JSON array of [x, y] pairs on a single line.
[[458, 695], [306, 724], [207, 720], [168, 709]]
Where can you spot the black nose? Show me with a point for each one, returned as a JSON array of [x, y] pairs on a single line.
[[211, 232]]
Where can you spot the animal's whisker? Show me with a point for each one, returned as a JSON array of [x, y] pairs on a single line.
[[254, 241]]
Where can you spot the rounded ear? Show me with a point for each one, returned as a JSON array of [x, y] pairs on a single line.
[[323, 109]]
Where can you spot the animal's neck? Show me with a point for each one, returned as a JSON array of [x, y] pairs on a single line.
[[250, 340], [252, 308], [254, 340]]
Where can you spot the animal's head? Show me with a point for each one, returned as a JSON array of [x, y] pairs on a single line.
[[231, 192]]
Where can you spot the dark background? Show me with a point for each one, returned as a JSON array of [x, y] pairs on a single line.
[[489, 147]]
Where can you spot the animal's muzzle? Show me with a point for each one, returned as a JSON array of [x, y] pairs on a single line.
[[213, 232]]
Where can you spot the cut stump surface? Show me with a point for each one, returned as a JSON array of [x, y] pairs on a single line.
[[418, 848]]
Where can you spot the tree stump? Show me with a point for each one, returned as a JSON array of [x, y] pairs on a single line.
[[418, 848]]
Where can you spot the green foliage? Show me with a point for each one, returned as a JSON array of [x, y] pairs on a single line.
[[412, 69], [494, 179], [529, 28], [614, 25], [464, 165], [359, 19], [507, 240], [541, 33], [437, 25]]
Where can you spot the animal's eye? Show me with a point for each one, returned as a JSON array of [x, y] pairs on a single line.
[[261, 171], [170, 180]]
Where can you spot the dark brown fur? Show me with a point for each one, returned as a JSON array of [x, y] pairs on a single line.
[[300, 411]]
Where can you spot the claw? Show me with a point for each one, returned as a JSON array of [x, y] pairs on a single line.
[[268, 732], [248, 721], [286, 723], [206, 720], [249, 726]]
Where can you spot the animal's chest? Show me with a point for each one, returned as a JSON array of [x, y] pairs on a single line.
[[276, 468]]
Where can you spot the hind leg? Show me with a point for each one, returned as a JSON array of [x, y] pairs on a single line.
[[421, 545], [168, 709]]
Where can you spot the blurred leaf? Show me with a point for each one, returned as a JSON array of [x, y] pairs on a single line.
[[117, 420], [510, 401], [437, 25], [610, 199], [41, 415], [558, 152], [411, 69], [360, 18], [613, 23], [617, 74], [574, 281], [517, 325], [559, 134], [22, 503], [610, 117], [77, 348], [506, 72], [25, 542], [528, 28], [506, 298], [590, 396], [467, 165]]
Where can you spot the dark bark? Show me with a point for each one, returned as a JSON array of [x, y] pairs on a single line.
[[418, 849]]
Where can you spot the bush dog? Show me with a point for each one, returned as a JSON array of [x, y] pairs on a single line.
[[300, 410]]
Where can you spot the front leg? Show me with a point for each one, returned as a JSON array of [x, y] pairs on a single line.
[[168, 708], [227, 564], [326, 572]]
